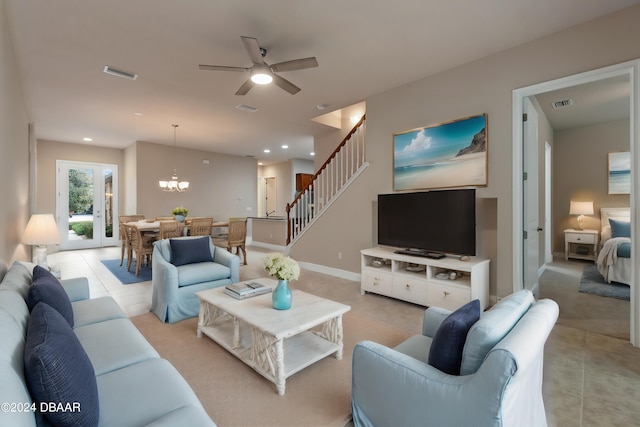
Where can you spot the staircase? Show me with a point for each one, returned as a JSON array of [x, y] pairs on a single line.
[[341, 168]]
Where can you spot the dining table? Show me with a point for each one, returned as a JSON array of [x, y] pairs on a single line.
[[146, 226]]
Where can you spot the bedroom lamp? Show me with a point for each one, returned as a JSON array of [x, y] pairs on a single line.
[[41, 231], [581, 209]]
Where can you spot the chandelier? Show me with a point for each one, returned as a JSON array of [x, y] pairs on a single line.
[[174, 184]]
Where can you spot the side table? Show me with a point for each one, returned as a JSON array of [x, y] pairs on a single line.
[[576, 238]]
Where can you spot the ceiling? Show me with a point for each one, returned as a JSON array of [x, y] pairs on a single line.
[[363, 47], [591, 103]]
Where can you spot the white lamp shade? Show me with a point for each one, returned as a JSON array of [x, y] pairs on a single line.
[[41, 230], [581, 208]]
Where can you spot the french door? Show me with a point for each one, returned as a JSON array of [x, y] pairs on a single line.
[[87, 204]]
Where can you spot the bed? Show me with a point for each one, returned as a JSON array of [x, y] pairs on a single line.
[[614, 259]]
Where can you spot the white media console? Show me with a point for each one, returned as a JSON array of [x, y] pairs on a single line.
[[448, 282]]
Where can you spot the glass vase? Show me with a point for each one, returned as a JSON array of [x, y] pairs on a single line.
[[281, 296]]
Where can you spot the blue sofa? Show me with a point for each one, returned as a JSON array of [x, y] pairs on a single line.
[[203, 266], [134, 386], [500, 381]]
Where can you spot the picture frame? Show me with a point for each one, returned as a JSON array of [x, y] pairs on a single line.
[[619, 172], [447, 155]]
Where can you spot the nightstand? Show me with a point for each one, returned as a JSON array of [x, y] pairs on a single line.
[[575, 239]]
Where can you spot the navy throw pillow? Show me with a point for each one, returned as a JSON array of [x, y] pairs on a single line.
[[445, 353], [58, 371], [620, 228], [190, 251], [46, 288]]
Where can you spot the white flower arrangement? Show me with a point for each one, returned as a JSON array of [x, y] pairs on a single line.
[[281, 267]]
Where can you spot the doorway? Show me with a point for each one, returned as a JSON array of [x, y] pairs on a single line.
[[270, 199], [630, 70], [86, 204]]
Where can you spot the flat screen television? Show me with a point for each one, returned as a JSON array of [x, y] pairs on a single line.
[[431, 223]]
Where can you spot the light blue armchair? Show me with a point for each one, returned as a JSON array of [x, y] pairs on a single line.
[[501, 372], [174, 287]]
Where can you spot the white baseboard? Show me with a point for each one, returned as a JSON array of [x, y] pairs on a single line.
[[343, 274], [277, 248]]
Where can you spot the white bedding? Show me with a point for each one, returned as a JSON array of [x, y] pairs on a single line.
[[613, 268]]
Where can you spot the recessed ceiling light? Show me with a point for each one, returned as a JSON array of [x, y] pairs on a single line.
[[267, 150], [137, 114], [285, 146], [312, 153], [321, 106], [260, 163], [87, 139]]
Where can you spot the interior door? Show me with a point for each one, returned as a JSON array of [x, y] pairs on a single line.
[[530, 219], [270, 196], [86, 204]]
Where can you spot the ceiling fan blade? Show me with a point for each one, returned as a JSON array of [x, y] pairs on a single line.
[[296, 64], [253, 49], [246, 87], [285, 84], [222, 68]]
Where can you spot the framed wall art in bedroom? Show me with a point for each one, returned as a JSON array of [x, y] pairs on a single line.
[[619, 173], [446, 155]]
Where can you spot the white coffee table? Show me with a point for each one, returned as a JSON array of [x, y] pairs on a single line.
[[275, 343]]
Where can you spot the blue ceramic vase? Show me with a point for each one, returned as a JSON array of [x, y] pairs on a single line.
[[179, 218], [281, 296]]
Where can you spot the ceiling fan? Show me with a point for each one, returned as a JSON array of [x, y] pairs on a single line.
[[263, 73]]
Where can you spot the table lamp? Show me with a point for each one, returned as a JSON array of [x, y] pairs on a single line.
[[581, 209], [41, 231]]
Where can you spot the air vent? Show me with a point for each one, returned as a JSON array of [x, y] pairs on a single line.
[[562, 104], [120, 73], [246, 108]]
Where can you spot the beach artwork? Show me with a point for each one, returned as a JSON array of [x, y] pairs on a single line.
[[448, 155], [620, 173]]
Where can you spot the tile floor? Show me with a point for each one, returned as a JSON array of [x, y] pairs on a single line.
[[592, 373]]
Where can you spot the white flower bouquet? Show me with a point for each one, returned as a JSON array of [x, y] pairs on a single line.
[[281, 267]]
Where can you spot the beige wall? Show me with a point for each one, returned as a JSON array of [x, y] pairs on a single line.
[[325, 144], [580, 173], [129, 178], [285, 185], [50, 151], [14, 160], [226, 187], [483, 86]]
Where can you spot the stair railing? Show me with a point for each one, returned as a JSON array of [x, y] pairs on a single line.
[[341, 167]]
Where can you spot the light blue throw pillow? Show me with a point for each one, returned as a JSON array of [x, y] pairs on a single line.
[[493, 325]]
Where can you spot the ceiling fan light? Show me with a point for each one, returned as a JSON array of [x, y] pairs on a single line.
[[261, 76]]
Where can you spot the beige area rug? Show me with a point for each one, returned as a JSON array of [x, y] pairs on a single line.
[[235, 395]]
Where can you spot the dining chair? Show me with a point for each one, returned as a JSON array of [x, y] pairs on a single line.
[[165, 218], [141, 245], [236, 237], [200, 226], [170, 229], [124, 235]]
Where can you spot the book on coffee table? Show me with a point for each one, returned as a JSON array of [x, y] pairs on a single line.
[[246, 289]]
